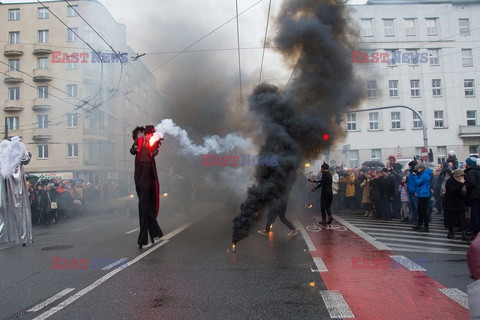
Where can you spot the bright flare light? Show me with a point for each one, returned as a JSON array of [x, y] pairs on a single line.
[[307, 165], [165, 194], [155, 137]]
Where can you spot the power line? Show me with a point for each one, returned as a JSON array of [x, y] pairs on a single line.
[[239, 64], [264, 42], [76, 34]]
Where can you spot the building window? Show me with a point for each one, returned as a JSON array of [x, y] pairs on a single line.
[[388, 27], [353, 156], [433, 56], [43, 92], [13, 14], [42, 121], [471, 117], [438, 117], [431, 26], [72, 11], [396, 124], [367, 27], [352, 122], [372, 89], [473, 150], [72, 150], [415, 88], [72, 90], [467, 60], [373, 120], [437, 87], [72, 34], [14, 37], [72, 120], [464, 27], [14, 65], [393, 88], [417, 122], [441, 154], [42, 63], [377, 155], [42, 151], [42, 13], [410, 27], [391, 60], [72, 66], [14, 93], [12, 123], [413, 56], [469, 86], [43, 36]]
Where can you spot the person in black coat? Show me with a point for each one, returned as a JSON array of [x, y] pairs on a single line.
[[326, 195], [454, 204], [146, 185], [472, 184]]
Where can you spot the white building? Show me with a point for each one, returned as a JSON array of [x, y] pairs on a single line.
[[442, 84]]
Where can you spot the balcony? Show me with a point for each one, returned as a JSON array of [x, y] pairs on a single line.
[[41, 104], [13, 77], [469, 131], [13, 50], [42, 134], [42, 75], [42, 48], [12, 106]]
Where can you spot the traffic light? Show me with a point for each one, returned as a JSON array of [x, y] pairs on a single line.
[[326, 136]]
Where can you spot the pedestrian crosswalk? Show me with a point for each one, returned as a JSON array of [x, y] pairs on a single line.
[[399, 236]]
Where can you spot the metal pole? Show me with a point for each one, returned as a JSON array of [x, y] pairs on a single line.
[[6, 128]]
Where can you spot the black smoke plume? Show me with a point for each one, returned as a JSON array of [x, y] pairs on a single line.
[[314, 34]]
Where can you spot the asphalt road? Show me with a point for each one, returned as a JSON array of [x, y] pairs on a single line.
[[192, 273]]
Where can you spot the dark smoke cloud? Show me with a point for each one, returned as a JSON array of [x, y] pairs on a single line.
[[314, 33]]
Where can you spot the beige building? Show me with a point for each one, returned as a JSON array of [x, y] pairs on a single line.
[[74, 111]]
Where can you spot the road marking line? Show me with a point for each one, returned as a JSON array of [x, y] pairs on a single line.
[[424, 251], [110, 266], [50, 300], [306, 237], [416, 235], [89, 288], [456, 295], [361, 234], [321, 267], [399, 246], [407, 263], [132, 231], [424, 242], [336, 305], [79, 229]]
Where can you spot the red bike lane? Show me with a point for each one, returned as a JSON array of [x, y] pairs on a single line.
[[373, 287]]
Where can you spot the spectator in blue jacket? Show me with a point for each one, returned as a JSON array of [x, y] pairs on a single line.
[[423, 195], [411, 189]]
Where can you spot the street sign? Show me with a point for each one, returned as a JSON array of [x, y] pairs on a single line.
[[424, 154]]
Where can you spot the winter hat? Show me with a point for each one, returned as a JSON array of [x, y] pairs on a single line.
[[473, 258], [412, 163], [325, 166], [471, 161], [149, 129], [451, 153], [458, 172], [420, 166]]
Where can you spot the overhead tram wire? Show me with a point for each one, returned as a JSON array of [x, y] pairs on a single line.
[[103, 39], [239, 64], [264, 42], [76, 34], [203, 37]]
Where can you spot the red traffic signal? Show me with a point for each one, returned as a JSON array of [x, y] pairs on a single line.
[[326, 136]]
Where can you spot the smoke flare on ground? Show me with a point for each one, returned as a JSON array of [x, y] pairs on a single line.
[[211, 144], [315, 34]]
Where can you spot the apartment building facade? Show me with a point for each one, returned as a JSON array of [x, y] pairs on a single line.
[[424, 55], [71, 88]]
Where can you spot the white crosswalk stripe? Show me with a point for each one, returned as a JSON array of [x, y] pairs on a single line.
[[400, 236]]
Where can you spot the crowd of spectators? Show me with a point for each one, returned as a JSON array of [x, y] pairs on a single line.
[[411, 195], [54, 200]]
